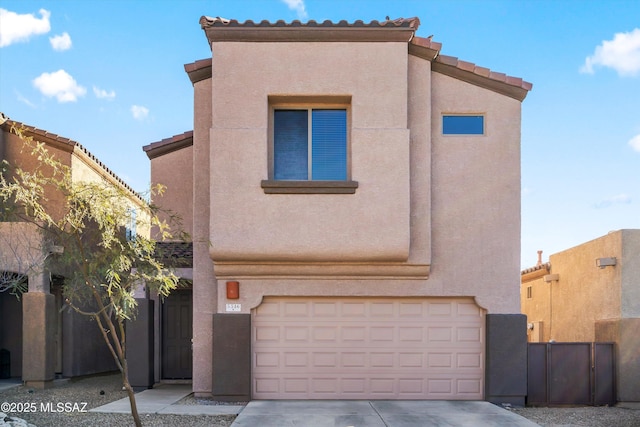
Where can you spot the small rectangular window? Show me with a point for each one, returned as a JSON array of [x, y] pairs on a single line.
[[310, 144], [462, 125], [529, 292]]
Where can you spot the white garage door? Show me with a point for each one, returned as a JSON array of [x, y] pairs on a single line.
[[368, 348]]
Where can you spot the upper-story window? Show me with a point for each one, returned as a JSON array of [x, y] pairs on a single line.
[[458, 124], [309, 145], [130, 229]]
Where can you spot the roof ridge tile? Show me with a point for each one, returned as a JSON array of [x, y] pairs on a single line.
[[207, 21]]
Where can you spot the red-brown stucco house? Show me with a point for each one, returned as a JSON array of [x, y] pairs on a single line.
[[41, 338]]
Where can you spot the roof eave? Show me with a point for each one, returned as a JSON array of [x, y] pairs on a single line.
[[224, 30], [169, 145], [74, 148], [199, 70], [292, 34], [534, 273], [512, 87]]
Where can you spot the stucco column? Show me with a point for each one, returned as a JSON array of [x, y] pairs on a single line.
[[506, 359], [140, 346], [204, 280], [232, 357], [140, 341], [38, 331]]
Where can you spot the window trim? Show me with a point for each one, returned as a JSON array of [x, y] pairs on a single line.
[[308, 103], [271, 186], [469, 114]]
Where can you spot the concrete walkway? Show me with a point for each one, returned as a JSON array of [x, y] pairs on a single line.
[[10, 383], [161, 399], [377, 413]]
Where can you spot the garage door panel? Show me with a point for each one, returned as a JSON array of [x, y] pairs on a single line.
[[267, 333], [440, 334], [353, 334], [358, 348], [268, 309]]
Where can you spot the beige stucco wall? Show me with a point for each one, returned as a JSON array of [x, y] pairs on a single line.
[[630, 274], [585, 293], [204, 281], [86, 170], [476, 197], [21, 251], [372, 224], [174, 170], [83, 169], [19, 155], [457, 209], [537, 308]]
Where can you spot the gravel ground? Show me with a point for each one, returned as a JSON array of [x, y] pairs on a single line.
[[88, 390], [587, 416]]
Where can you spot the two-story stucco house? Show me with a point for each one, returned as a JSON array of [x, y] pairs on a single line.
[[41, 338], [588, 293], [354, 202]]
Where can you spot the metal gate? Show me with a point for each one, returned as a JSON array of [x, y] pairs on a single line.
[[570, 374]]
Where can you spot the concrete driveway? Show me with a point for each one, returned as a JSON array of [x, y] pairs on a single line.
[[376, 413]]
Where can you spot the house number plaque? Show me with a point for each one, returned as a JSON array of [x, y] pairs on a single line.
[[234, 307]]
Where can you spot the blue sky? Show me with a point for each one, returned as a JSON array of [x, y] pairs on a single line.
[[109, 74]]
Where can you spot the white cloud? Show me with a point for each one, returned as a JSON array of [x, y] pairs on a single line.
[[139, 112], [61, 42], [24, 100], [635, 143], [59, 84], [103, 94], [298, 6], [622, 54], [18, 28], [618, 199]]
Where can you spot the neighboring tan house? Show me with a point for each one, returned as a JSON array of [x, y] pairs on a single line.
[[43, 340], [591, 293], [354, 202]]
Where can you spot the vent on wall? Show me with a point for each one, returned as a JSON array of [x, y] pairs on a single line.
[[605, 262]]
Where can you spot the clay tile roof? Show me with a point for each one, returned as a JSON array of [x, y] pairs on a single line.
[[175, 254], [426, 42], [168, 145], [513, 87], [206, 21], [544, 266], [199, 70], [535, 272], [221, 29], [67, 145], [424, 47], [402, 29]]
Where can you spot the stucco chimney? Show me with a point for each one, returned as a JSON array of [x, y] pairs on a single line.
[[539, 259]]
